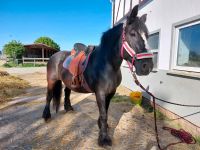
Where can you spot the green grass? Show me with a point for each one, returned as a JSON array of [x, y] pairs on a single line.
[[123, 98], [160, 115], [198, 140], [147, 107], [120, 98], [11, 64]]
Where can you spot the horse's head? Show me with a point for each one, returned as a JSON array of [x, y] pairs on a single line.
[[134, 48]]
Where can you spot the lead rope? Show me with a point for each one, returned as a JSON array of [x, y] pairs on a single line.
[[154, 107], [184, 136]]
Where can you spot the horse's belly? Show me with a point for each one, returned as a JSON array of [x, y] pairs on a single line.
[[66, 77], [79, 90]]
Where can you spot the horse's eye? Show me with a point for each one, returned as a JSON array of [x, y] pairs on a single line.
[[133, 34]]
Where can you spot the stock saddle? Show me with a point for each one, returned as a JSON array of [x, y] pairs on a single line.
[[76, 64]]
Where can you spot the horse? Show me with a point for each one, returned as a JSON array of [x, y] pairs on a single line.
[[102, 73]]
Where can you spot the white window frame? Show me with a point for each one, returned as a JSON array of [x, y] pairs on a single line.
[[175, 49], [156, 50]]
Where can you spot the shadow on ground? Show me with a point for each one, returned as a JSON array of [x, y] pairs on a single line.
[[22, 127]]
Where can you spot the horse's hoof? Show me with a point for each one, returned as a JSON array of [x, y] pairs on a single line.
[[68, 108], [46, 115], [46, 119], [104, 141]]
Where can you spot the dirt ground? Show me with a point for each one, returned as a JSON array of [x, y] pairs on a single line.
[[131, 127]]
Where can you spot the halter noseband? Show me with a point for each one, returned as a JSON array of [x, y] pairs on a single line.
[[131, 52]]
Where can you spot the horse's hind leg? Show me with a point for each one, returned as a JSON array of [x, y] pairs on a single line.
[[67, 103], [46, 113]]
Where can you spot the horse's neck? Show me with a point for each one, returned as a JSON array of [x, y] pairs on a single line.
[[109, 52], [114, 58]]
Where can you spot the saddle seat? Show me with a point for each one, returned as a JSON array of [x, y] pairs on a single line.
[[79, 47], [76, 64]]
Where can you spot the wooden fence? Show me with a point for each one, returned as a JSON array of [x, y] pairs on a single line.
[[26, 60]]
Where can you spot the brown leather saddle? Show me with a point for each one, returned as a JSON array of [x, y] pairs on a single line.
[[76, 64]]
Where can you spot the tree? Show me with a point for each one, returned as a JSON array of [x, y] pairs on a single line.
[[14, 49], [48, 41]]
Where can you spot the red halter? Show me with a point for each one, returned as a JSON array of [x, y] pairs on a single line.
[[131, 52]]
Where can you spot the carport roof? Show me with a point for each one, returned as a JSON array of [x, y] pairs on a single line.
[[39, 46]]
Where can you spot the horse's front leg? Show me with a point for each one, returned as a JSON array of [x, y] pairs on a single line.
[[104, 138]]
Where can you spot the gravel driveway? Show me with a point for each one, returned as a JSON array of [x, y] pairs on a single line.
[[26, 70]]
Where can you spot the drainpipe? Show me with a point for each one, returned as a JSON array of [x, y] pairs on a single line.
[[113, 12]]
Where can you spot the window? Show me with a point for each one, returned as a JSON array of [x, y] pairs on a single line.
[[153, 42], [187, 47], [142, 3]]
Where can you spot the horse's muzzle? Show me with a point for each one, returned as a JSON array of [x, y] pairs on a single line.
[[144, 66]]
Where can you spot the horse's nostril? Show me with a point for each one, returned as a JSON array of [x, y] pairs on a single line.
[[144, 65]]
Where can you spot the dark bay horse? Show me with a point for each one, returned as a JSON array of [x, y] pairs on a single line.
[[102, 73]]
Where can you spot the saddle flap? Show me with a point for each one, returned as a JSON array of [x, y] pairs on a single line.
[[75, 66]]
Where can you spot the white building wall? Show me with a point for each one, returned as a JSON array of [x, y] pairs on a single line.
[[121, 8], [162, 15], [172, 11]]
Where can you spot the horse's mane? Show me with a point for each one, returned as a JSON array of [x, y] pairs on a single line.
[[110, 37]]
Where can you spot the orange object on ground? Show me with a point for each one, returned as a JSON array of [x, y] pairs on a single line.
[[136, 97]]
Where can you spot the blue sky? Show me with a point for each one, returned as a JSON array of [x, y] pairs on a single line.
[[65, 21]]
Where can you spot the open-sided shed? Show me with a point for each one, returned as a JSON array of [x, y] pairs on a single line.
[[38, 50]]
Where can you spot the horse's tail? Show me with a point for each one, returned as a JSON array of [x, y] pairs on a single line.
[[57, 92]]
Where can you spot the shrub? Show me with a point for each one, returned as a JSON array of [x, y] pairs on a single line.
[[14, 49], [48, 41]]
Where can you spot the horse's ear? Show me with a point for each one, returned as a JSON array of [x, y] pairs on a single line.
[[133, 14], [143, 18]]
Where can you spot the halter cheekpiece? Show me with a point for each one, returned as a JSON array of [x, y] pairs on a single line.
[[131, 52]]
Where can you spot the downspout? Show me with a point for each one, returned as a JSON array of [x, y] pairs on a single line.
[[113, 12]]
